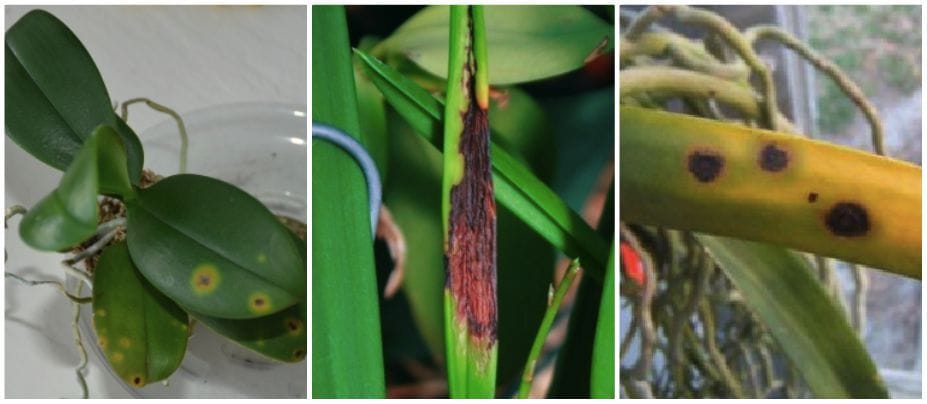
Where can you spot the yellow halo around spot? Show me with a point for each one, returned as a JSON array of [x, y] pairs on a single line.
[[294, 326], [259, 302], [205, 278], [137, 380]]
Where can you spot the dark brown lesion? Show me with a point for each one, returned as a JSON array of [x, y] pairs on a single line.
[[203, 280], [773, 158], [705, 165], [848, 219], [470, 257]]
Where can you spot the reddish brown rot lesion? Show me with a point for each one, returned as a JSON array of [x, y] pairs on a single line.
[[471, 249]]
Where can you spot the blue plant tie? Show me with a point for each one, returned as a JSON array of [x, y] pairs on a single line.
[[363, 159]]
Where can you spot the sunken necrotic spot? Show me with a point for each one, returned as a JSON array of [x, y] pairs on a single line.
[[812, 197], [774, 159], [259, 302], [705, 165], [204, 279], [848, 219], [294, 326]]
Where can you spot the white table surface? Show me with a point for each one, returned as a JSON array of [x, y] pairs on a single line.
[[187, 58]]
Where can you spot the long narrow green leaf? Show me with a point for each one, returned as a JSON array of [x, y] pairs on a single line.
[[55, 96], [524, 43], [553, 307], [811, 328], [515, 186], [603, 353], [142, 333], [347, 356], [576, 360]]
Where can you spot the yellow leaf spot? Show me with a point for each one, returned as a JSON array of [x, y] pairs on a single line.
[[205, 278], [116, 357], [260, 342], [259, 302], [102, 341], [262, 258], [100, 313], [125, 342]]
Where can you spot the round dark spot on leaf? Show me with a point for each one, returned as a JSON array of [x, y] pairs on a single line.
[[299, 354], [772, 158], [137, 381], [848, 219], [706, 166], [712, 93], [204, 280], [292, 325], [258, 302], [812, 197]]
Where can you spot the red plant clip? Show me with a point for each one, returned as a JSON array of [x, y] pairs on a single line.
[[631, 264]]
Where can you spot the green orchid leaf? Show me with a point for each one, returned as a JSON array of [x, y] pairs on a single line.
[[347, 344], [372, 117], [524, 43], [143, 334], [577, 361], [280, 336], [135, 155], [68, 215], [603, 352], [516, 186], [808, 324], [213, 248], [112, 162], [55, 95]]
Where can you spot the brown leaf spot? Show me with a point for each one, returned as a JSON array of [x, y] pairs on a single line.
[[773, 158], [294, 326], [848, 219], [205, 278], [259, 302], [705, 165]]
